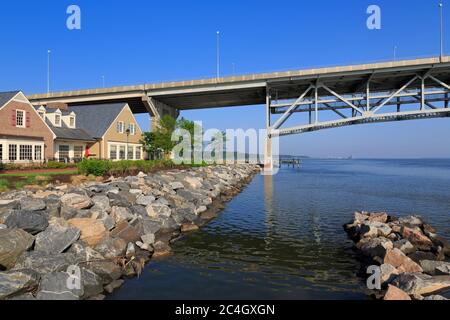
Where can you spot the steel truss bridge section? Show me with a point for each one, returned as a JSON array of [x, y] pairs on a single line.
[[376, 97]]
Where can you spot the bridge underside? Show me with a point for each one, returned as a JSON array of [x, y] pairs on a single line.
[[319, 98], [328, 103]]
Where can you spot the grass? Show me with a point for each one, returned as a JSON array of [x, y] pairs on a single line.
[[20, 180], [4, 185], [34, 175]]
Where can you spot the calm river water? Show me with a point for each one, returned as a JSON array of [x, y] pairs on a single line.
[[282, 237]]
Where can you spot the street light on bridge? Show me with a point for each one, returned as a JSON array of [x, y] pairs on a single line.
[[442, 29], [218, 54]]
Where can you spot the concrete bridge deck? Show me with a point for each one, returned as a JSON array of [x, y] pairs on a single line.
[[252, 89]]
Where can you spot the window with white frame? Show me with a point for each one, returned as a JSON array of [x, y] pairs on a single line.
[[138, 153], [12, 152], [57, 120], [42, 114], [120, 127], [130, 153], [38, 153], [113, 152], [72, 122], [26, 153], [78, 152], [20, 118], [132, 128], [64, 152], [122, 151]]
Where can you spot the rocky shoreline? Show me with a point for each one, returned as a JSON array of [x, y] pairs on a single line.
[[80, 242], [409, 254]]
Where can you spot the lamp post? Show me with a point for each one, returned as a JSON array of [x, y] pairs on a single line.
[[442, 30], [48, 70], [218, 54], [128, 136], [395, 53]]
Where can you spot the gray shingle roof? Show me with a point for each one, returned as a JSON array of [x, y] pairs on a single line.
[[66, 133], [96, 119], [6, 96]]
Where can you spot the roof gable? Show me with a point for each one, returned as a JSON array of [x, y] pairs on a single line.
[[6, 96], [97, 119]]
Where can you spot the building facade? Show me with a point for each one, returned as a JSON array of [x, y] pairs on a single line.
[[71, 143], [24, 136], [115, 129]]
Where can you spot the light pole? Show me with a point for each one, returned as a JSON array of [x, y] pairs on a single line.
[[395, 53], [48, 70], [103, 81], [128, 136], [442, 29], [218, 54]]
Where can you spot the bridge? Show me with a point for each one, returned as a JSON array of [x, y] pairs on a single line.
[[321, 98]]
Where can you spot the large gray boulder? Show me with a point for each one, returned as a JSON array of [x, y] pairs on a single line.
[[112, 248], [421, 284], [44, 263], [92, 283], [120, 214], [432, 267], [76, 201], [376, 247], [58, 286], [58, 237], [145, 200], [13, 243], [101, 204], [31, 221], [157, 210], [31, 204], [6, 206], [15, 283], [53, 206]]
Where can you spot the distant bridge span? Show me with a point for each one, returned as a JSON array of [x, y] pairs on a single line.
[[327, 97]]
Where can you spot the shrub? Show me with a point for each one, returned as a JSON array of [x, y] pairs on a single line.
[[57, 165], [4, 185], [98, 168]]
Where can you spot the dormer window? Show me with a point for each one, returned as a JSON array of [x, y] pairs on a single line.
[[57, 120], [41, 112], [72, 122]]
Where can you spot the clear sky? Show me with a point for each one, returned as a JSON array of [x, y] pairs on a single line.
[[141, 41]]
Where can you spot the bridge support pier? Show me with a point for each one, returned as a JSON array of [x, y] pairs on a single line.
[[268, 152], [157, 110]]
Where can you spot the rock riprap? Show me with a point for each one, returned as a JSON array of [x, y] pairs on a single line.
[[101, 233], [409, 252]]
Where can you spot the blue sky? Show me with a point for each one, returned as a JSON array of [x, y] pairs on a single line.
[[133, 42]]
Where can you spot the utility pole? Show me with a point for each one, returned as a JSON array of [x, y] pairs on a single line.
[[441, 5], [48, 70], [218, 54]]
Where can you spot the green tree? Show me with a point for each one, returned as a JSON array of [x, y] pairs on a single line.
[[161, 138]]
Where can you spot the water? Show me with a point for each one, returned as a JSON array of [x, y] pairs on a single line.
[[282, 237]]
